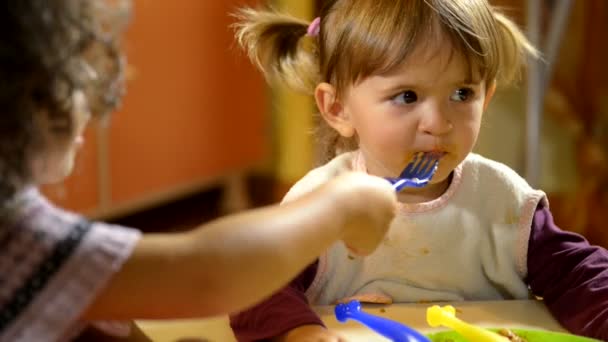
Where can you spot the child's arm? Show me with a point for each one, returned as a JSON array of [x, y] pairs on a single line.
[[570, 275], [284, 317], [233, 262], [93, 335], [286, 310]]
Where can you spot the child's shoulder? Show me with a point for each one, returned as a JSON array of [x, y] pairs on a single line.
[[320, 175], [486, 167], [490, 173]]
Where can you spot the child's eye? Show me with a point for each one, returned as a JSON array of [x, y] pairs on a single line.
[[462, 95], [406, 97]]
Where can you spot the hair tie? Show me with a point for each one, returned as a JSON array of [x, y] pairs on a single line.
[[314, 27]]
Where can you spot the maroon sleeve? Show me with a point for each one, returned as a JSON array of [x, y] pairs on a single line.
[[285, 310], [570, 275]]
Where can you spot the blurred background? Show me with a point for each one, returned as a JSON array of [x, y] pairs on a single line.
[[200, 134]]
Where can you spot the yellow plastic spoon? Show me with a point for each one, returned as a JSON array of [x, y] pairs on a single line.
[[446, 316]]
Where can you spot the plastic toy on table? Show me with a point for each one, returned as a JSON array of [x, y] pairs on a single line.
[[446, 316], [393, 330], [464, 332]]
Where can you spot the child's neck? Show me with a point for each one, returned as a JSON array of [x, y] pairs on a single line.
[[425, 194]]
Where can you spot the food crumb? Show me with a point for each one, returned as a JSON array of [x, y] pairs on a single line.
[[383, 310], [510, 335]]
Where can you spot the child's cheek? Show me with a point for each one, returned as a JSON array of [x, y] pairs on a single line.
[[394, 137], [393, 145]]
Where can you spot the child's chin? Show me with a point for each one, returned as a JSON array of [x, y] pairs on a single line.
[[442, 175], [53, 179], [57, 175]]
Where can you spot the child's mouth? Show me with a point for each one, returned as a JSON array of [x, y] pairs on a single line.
[[435, 153]]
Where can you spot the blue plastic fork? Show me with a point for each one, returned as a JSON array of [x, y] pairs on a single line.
[[418, 172], [388, 328]]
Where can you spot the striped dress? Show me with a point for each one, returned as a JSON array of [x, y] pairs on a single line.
[[52, 266]]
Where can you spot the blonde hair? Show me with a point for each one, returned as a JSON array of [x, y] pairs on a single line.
[[360, 38]]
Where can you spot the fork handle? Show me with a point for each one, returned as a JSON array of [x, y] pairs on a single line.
[[402, 183], [390, 329]]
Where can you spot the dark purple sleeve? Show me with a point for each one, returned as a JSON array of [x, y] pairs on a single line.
[[570, 275], [285, 310]]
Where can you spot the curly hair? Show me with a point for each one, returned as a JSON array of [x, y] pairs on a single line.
[[48, 49]]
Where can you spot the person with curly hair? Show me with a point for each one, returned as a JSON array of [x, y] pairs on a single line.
[[62, 275]]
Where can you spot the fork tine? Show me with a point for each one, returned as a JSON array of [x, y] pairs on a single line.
[[421, 168], [418, 172], [424, 164], [432, 165], [428, 161], [410, 166]]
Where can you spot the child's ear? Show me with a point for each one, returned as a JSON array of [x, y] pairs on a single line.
[[332, 110], [491, 89]]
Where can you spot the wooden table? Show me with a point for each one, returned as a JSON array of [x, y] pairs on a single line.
[[512, 314]]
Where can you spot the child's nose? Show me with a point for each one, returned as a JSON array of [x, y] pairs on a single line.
[[435, 121]]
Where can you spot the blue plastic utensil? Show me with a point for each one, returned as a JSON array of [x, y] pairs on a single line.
[[418, 172], [388, 328]]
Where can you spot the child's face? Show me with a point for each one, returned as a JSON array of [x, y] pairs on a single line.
[[426, 104], [57, 161]]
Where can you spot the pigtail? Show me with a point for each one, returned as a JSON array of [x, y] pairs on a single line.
[[513, 49], [274, 43]]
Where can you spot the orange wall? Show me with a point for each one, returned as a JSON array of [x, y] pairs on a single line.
[[195, 107]]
